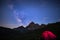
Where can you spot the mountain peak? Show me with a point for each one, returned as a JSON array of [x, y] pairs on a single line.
[[32, 26], [32, 23], [20, 27]]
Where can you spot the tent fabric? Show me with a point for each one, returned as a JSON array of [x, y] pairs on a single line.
[[48, 35]]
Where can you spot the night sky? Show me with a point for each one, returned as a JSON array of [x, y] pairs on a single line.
[[14, 13]]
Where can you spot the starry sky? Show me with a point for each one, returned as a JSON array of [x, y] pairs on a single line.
[[14, 13]]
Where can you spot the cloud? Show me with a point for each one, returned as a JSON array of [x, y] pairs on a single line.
[[59, 20], [10, 25], [15, 14], [45, 18], [14, 11], [19, 20], [11, 6], [16, 17]]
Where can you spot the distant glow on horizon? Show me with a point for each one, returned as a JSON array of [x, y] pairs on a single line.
[[18, 12]]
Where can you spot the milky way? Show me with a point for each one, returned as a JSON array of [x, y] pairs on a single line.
[[22, 12]]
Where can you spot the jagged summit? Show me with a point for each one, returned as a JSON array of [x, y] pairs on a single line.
[[21, 27], [32, 26], [32, 23]]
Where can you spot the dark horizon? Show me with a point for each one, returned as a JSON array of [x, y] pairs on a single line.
[[30, 24]]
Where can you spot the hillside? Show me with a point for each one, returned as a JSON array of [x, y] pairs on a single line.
[[31, 32]]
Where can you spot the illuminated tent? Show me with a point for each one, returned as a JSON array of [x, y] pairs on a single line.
[[48, 35]]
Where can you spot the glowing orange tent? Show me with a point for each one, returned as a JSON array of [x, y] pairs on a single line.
[[48, 35]]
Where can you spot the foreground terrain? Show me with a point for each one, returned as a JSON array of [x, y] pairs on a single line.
[[31, 32]]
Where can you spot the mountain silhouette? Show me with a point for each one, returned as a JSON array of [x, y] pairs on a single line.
[[21, 29], [31, 32], [32, 26]]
